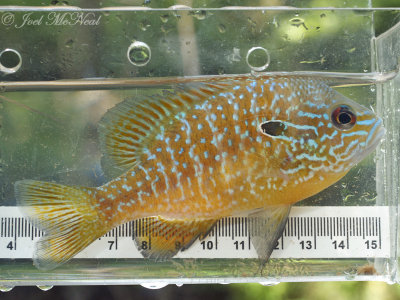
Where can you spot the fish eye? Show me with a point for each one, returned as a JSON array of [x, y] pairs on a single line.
[[343, 117]]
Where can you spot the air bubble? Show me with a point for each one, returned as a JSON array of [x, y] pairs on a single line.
[[258, 59], [139, 54], [10, 61]]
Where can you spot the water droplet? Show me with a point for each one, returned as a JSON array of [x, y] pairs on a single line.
[[146, 2], [199, 14], [322, 16], [55, 2], [10, 61], [297, 22], [176, 9], [69, 43], [251, 21], [164, 18], [179, 284], [144, 25], [154, 285], [45, 287], [258, 59], [349, 276], [165, 28], [275, 23], [268, 283], [234, 56], [372, 89], [5, 288], [139, 53], [221, 28]]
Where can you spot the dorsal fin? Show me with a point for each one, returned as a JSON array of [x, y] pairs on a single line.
[[127, 128]]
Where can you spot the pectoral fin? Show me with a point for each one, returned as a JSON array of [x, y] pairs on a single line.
[[163, 238], [266, 228]]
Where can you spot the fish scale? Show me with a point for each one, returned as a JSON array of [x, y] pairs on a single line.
[[216, 155], [184, 160]]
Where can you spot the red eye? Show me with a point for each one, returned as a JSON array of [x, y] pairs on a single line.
[[343, 117]]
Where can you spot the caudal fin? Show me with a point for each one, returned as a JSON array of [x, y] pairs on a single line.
[[65, 214]]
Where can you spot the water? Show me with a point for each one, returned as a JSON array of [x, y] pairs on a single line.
[[48, 128], [53, 136]]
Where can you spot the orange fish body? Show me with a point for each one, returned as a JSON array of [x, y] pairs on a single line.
[[209, 150]]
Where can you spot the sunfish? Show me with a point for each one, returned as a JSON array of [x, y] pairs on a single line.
[[183, 160]]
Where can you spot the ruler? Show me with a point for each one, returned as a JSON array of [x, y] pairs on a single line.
[[311, 232]]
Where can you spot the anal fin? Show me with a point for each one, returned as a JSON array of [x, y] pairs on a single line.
[[266, 228], [163, 238]]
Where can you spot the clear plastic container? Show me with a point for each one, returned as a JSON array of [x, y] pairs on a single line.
[[62, 67]]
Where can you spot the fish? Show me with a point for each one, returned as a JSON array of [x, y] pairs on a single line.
[[183, 159]]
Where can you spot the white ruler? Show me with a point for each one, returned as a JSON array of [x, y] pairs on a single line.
[[311, 232]]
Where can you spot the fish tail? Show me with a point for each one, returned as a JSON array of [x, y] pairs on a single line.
[[67, 216]]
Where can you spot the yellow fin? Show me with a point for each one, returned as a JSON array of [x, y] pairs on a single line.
[[65, 214], [127, 129], [164, 238]]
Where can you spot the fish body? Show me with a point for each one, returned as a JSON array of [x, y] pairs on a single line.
[[183, 160]]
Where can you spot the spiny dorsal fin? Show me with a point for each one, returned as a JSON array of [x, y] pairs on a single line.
[[127, 128], [165, 238]]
